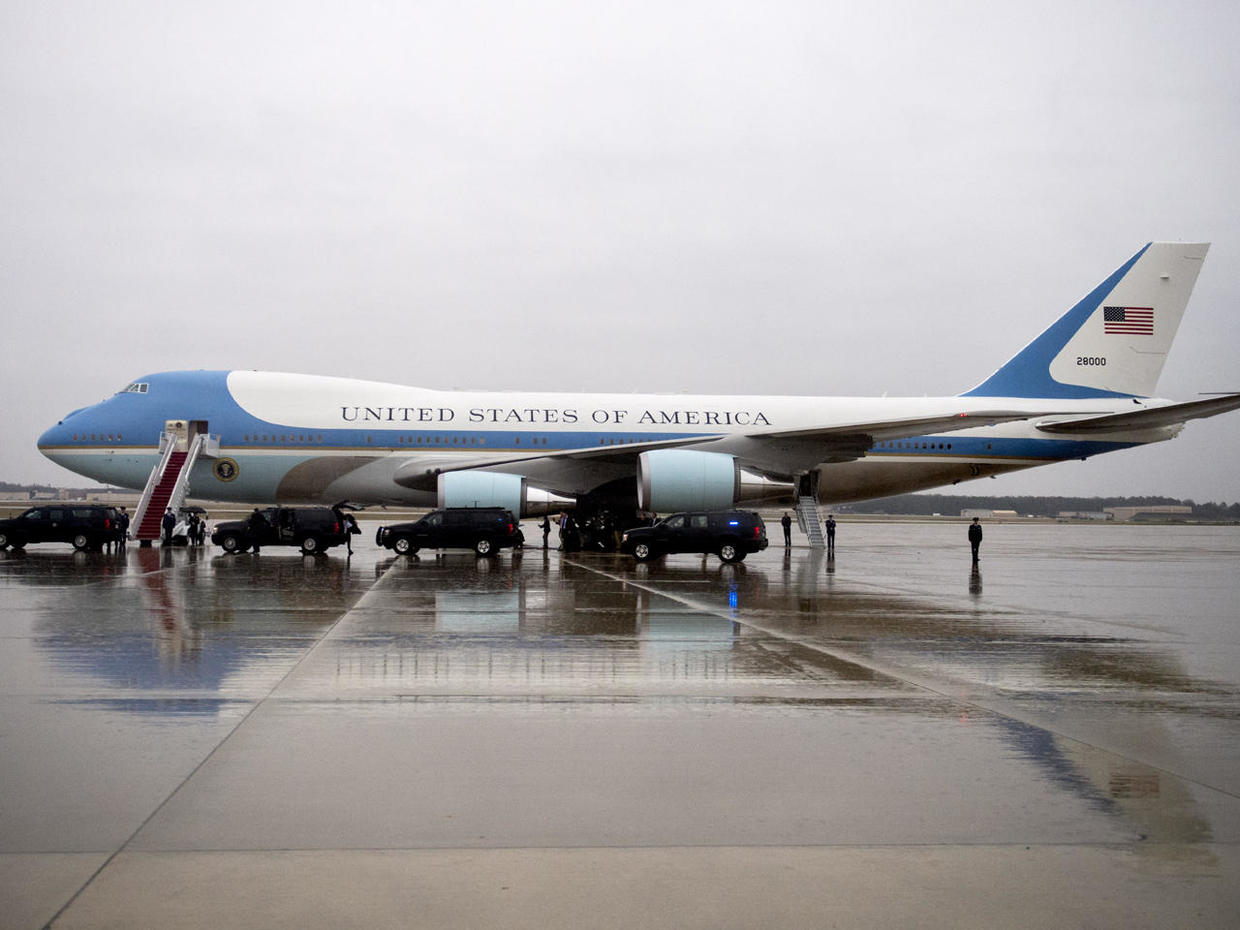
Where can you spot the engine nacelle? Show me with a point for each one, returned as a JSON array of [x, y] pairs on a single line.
[[493, 489], [686, 479]]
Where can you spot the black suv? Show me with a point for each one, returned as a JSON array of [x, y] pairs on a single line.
[[486, 530], [730, 534], [312, 528], [87, 526]]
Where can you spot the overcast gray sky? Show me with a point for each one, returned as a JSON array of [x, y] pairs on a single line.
[[801, 198]]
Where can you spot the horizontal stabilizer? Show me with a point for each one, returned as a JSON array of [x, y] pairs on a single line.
[[1147, 417]]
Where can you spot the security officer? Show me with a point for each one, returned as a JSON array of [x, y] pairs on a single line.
[[975, 538]]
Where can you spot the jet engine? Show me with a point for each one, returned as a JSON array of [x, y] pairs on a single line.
[[686, 479], [493, 489]]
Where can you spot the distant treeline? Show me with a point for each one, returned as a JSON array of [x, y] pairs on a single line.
[[947, 504], [12, 489]]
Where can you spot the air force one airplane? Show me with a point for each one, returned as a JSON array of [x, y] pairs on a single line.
[[1083, 387]]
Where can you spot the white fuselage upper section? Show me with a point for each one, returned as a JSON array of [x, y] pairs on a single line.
[[325, 403]]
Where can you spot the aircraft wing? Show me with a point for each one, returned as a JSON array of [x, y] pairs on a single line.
[[791, 452], [1147, 417], [902, 428], [422, 473], [780, 451]]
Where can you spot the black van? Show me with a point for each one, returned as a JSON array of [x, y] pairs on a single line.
[[730, 534], [314, 529], [86, 526], [486, 530]]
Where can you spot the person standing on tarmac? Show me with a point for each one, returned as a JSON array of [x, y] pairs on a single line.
[[786, 522], [344, 521], [830, 535], [975, 538], [257, 525], [353, 530], [168, 523], [546, 528], [122, 530]]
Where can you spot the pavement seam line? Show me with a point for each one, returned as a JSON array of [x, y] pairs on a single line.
[[894, 674], [326, 634]]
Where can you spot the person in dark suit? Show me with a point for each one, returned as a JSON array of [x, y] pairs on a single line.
[[975, 538], [168, 523], [786, 522], [257, 525], [830, 534]]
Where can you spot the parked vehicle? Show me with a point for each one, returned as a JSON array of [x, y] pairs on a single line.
[[486, 530], [86, 526], [729, 534], [314, 529]]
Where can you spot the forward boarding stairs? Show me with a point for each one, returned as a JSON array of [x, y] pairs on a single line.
[[809, 519], [168, 485]]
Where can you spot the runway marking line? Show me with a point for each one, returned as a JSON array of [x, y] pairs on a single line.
[[940, 690]]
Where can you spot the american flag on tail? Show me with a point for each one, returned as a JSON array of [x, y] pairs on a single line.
[[1128, 321]]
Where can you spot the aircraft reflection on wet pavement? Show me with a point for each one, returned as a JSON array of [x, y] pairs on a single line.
[[187, 634]]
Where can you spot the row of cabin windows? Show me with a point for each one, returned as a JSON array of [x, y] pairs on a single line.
[[455, 440], [272, 437], [914, 445], [401, 440], [919, 445]]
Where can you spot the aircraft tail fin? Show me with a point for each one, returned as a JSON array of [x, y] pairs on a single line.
[[1114, 342]]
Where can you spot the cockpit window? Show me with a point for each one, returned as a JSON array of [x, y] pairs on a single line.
[[138, 387]]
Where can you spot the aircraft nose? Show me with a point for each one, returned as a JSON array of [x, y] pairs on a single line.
[[58, 436], [51, 440]]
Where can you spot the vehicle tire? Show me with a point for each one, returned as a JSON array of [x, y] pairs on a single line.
[[81, 541], [731, 552], [231, 543], [642, 552], [484, 547], [403, 545], [4, 540], [310, 545]]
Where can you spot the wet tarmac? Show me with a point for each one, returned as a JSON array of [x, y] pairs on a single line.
[[189, 739]]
